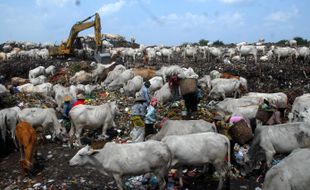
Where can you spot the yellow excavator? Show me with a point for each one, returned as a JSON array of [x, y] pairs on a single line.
[[66, 48]]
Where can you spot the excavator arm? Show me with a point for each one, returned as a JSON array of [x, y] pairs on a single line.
[[67, 47]]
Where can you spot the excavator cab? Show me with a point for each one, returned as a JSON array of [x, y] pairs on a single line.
[[67, 48]]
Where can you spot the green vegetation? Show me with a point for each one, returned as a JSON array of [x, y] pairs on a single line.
[[203, 42], [218, 43]]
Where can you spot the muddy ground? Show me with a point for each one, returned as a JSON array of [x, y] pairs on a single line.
[[288, 77]]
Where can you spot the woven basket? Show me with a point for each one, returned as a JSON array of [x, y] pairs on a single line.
[[188, 86], [241, 133], [263, 115]]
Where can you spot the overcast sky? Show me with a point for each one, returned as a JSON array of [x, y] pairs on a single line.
[[151, 22]]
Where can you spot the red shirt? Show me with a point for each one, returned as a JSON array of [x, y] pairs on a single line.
[[78, 102]]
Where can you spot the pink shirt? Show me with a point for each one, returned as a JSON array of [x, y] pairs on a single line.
[[235, 119]]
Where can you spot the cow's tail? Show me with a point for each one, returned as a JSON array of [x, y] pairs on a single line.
[[228, 153], [3, 127]]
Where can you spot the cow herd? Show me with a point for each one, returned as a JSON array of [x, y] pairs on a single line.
[[178, 143]]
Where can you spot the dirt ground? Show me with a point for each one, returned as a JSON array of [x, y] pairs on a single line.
[[287, 77]]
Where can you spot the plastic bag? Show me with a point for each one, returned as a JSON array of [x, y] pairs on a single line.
[[137, 134]]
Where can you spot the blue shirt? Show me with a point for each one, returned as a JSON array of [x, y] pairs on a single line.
[[144, 92], [150, 117]]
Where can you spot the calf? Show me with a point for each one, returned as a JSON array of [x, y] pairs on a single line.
[[27, 138], [293, 172], [118, 160], [200, 149], [282, 138]]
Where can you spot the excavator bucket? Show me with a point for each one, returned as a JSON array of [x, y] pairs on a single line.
[[104, 57]]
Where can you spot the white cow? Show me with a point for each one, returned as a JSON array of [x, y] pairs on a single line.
[[133, 86], [121, 80], [44, 88], [248, 50], [114, 74], [293, 172], [27, 88], [216, 52], [164, 94], [222, 87], [282, 138], [92, 117], [244, 106], [165, 52], [279, 99], [261, 48], [200, 149], [8, 122], [45, 118], [119, 160], [51, 70], [38, 80], [59, 93], [301, 104], [183, 127], [190, 52], [303, 52], [284, 52], [156, 83], [36, 72]]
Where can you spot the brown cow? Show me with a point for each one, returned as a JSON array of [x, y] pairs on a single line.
[[229, 76], [27, 138], [145, 73]]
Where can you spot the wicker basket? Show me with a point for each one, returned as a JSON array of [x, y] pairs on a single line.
[[241, 133], [188, 86], [263, 115]]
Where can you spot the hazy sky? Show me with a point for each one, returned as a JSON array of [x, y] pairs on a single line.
[[168, 22]]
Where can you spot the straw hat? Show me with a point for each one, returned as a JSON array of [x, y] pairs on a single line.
[[227, 117], [80, 96], [67, 98]]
